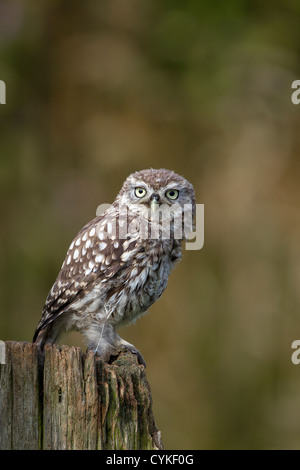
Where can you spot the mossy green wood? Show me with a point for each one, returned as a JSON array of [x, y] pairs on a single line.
[[64, 399]]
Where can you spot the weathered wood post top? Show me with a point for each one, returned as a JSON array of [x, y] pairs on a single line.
[[61, 398]]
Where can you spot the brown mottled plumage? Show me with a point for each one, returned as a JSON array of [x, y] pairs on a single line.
[[113, 272]]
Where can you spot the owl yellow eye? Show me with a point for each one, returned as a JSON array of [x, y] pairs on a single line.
[[172, 194], [140, 192]]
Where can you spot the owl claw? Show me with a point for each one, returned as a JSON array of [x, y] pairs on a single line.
[[140, 358], [123, 347], [133, 350]]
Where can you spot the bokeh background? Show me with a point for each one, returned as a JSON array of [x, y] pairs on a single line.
[[96, 90]]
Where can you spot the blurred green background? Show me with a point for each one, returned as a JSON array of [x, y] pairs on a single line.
[[96, 90]]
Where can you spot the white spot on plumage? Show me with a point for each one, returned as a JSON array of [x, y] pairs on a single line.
[[99, 258], [134, 284], [143, 275], [91, 264], [102, 246], [125, 245], [88, 243], [116, 244], [76, 254], [134, 272], [69, 259], [125, 256], [83, 251], [109, 228], [78, 241], [92, 232], [71, 246], [84, 237]]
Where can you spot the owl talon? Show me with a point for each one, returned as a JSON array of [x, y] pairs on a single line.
[[140, 358], [133, 350]]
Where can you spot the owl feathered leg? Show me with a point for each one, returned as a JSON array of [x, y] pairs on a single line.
[[105, 342], [101, 340]]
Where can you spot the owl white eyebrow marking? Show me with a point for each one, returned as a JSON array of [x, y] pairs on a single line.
[[171, 185], [141, 184]]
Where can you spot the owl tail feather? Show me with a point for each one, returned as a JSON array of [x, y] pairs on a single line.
[[47, 334]]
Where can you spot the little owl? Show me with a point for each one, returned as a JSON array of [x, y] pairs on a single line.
[[119, 263]]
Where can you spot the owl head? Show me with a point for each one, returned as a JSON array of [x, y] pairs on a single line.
[[150, 190]]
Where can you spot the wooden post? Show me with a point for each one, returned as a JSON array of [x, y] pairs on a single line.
[[64, 399]]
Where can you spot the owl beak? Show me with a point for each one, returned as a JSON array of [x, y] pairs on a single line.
[[154, 202]]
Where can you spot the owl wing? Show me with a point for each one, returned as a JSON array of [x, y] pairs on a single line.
[[92, 257]]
